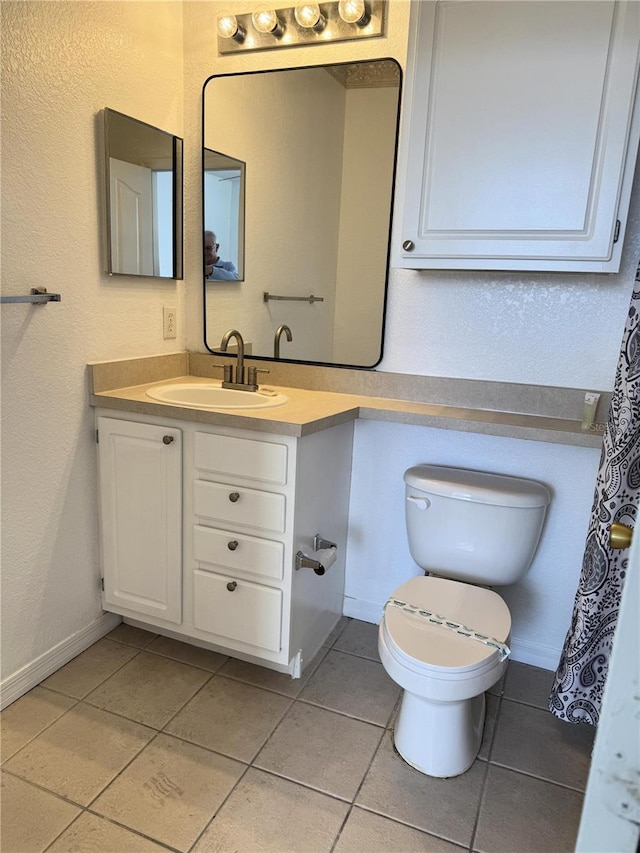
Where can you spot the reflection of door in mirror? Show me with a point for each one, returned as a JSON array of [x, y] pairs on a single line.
[[224, 205], [144, 197], [320, 147]]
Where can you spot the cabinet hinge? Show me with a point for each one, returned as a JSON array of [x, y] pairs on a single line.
[[102, 584], [616, 233], [97, 437]]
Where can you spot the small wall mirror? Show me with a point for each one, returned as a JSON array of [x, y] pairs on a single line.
[[223, 190], [319, 144], [143, 172]]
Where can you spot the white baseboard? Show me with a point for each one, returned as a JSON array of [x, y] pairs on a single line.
[[366, 611], [534, 654], [522, 651], [33, 673]]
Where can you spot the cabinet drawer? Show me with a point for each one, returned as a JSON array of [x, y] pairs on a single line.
[[251, 508], [248, 553], [264, 461], [250, 614]]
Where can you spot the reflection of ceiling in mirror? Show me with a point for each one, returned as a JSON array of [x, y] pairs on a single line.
[[366, 75]]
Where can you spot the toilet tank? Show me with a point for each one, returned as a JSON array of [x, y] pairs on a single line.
[[471, 525]]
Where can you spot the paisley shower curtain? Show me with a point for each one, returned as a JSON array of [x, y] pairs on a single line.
[[577, 691]]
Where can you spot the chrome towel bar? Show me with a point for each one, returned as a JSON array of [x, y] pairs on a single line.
[[269, 297], [38, 296]]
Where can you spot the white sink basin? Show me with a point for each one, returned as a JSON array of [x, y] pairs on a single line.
[[213, 396]]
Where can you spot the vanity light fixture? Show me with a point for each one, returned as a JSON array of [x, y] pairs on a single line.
[[229, 28], [306, 23], [354, 12], [309, 16], [266, 21]]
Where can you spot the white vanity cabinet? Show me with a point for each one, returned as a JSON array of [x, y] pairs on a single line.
[[140, 498], [519, 135], [250, 501]]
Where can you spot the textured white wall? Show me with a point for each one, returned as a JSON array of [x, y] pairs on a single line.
[[61, 64]]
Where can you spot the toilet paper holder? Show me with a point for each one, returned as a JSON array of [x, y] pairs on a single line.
[[304, 561]]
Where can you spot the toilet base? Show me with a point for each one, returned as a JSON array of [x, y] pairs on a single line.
[[439, 738]]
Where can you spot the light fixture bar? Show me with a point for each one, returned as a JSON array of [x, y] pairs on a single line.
[[291, 34]]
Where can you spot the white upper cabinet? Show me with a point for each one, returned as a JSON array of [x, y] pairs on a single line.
[[519, 137]]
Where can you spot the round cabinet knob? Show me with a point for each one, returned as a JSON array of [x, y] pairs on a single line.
[[232, 545], [234, 496], [408, 245], [231, 586], [167, 439]]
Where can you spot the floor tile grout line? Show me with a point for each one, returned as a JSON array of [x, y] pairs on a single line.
[[130, 829], [359, 788], [42, 731], [220, 807], [530, 775], [96, 686], [166, 656], [317, 704], [414, 826], [122, 769], [485, 777]]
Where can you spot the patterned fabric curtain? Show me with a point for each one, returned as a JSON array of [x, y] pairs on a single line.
[[579, 681]]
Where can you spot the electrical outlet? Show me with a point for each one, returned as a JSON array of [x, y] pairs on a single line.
[[169, 322]]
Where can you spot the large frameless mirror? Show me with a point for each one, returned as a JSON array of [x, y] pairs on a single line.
[[143, 177], [314, 219]]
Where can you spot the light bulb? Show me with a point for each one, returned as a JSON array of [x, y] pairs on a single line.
[[266, 21], [309, 16], [228, 28], [354, 12]]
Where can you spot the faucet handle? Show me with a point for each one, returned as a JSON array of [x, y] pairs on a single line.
[[252, 377], [227, 368]]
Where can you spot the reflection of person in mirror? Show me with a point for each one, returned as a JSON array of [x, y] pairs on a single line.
[[214, 267]]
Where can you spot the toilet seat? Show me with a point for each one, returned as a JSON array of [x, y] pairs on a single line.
[[439, 652]]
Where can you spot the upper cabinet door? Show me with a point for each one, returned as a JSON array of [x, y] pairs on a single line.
[[519, 137]]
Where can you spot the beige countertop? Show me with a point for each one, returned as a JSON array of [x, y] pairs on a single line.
[[309, 411]]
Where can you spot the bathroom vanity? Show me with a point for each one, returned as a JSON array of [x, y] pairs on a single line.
[[204, 513], [200, 527]]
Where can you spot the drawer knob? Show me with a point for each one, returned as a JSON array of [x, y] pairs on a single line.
[[167, 439], [232, 545], [234, 496], [231, 586]]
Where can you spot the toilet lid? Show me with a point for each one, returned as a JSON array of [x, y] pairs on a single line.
[[418, 640]]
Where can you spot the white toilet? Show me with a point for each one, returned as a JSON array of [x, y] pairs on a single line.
[[475, 528]]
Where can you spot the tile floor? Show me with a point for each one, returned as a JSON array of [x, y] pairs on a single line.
[[146, 744]]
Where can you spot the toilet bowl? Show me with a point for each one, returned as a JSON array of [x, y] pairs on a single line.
[[442, 638], [443, 673]]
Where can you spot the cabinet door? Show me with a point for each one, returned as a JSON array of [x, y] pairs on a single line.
[[519, 143], [141, 517]]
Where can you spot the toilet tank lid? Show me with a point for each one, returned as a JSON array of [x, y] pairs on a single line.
[[477, 486]]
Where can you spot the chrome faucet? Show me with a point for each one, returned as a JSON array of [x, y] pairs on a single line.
[[283, 329], [239, 380]]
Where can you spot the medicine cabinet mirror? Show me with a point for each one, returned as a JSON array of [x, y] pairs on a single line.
[[143, 172], [223, 189], [319, 144]]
